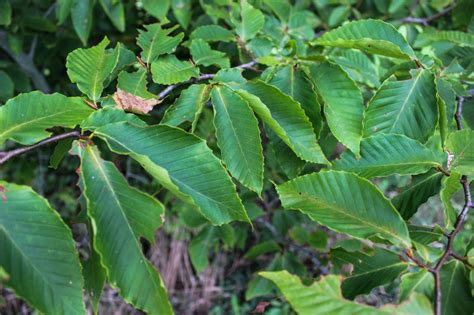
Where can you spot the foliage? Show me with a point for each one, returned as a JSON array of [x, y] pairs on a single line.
[[212, 120]]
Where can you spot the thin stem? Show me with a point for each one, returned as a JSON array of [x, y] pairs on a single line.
[[457, 226], [6, 155], [426, 20]]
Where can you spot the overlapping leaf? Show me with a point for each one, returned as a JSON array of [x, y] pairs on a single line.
[[121, 215], [295, 83], [170, 70], [461, 145], [188, 106], [238, 137], [446, 106], [369, 271], [250, 23], [155, 41], [343, 103], [449, 186], [90, 67], [325, 297], [285, 117], [212, 33], [371, 36], [204, 55], [386, 154], [404, 107], [38, 252], [345, 203], [182, 163], [25, 117], [421, 189], [456, 290]]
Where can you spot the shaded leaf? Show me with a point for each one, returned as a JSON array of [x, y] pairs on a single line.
[[157, 8], [421, 281], [369, 271], [422, 188], [449, 186], [115, 11], [456, 298], [81, 13]]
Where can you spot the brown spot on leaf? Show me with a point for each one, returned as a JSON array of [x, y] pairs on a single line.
[[134, 104]]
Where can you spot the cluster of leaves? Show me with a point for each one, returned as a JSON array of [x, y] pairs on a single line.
[[265, 111]]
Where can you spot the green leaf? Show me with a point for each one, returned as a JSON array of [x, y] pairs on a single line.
[[371, 36], [422, 188], [24, 118], [456, 298], [261, 249], [115, 11], [449, 186], [82, 17], [281, 8], [285, 117], [387, 154], [8, 87], [182, 163], [188, 106], [294, 82], [446, 100], [5, 12], [182, 11], [325, 297], [461, 145], [342, 101], [359, 66], [63, 9], [90, 67], [94, 275], [212, 33], [155, 41], [60, 151], [203, 54], [199, 248], [135, 83], [421, 281], [251, 21], [157, 8], [456, 37], [229, 75], [170, 70], [238, 137], [345, 203], [120, 215], [109, 115], [369, 271], [404, 107], [38, 252], [287, 160]]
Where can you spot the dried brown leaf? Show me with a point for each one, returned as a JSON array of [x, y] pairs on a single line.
[[132, 103]]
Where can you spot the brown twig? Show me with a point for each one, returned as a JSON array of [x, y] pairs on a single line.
[[436, 271], [462, 259], [426, 20], [6, 155]]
